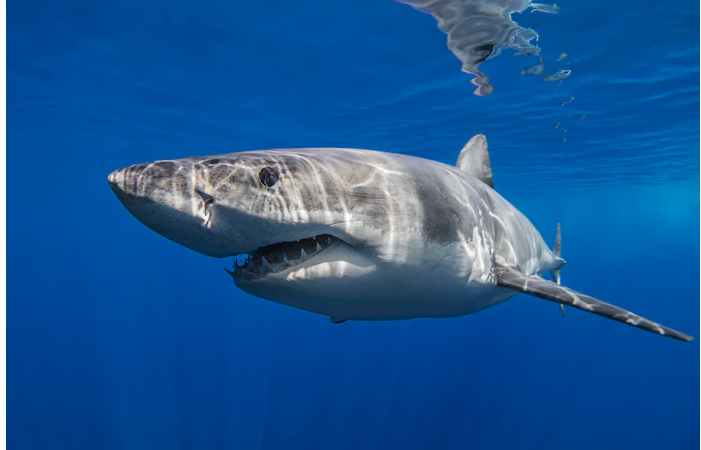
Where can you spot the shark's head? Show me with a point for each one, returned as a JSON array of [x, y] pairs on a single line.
[[284, 210]]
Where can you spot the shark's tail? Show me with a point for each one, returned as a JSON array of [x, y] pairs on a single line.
[[557, 250]]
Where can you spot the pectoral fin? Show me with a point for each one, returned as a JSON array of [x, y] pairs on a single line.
[[536, 286]]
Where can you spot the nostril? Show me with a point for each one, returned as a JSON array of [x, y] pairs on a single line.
[[206, 198], [207, 204], [207, 201]]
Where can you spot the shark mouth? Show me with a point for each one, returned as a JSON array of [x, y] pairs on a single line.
[[279, 257]]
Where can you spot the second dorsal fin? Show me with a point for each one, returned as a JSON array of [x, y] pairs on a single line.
[[474, 159]]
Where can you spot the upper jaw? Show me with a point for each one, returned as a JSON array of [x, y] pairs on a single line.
[[278, 257]]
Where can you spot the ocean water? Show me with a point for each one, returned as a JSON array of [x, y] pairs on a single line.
[[120, 339]]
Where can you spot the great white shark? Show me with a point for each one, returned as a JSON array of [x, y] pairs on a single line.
[[357, 234]]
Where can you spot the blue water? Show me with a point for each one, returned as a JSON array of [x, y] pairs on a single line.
[[120, 339]]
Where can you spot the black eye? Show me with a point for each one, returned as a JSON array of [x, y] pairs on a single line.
[[268, 176]]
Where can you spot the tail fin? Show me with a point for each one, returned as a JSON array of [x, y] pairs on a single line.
[[557, 250]]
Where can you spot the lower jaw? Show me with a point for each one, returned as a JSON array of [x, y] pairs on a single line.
[[260, 268], [338, 261]]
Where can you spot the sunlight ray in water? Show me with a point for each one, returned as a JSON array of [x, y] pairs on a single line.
[[479, 29]]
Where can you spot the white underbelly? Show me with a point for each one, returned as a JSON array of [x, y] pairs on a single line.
[[388, 296]]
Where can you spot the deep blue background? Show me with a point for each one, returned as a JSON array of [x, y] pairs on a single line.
[[118, 338]]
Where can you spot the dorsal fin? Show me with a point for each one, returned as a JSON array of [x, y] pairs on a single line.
[[474, 159]]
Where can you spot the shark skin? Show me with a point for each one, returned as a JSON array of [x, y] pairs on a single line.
[[357, 234]]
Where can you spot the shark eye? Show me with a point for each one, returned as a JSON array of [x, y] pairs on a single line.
[[268, 176]]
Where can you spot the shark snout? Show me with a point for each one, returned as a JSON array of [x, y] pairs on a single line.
[[141, 179], [114, 179], [129, 186], [161, 195], [125, 181], [121, 184]]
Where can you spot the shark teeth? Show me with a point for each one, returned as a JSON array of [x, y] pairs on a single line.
[[278, 257]]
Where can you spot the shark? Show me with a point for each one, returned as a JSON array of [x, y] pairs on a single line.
[[358, 235]]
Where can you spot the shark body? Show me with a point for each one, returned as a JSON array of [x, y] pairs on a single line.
[[357, 234]]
